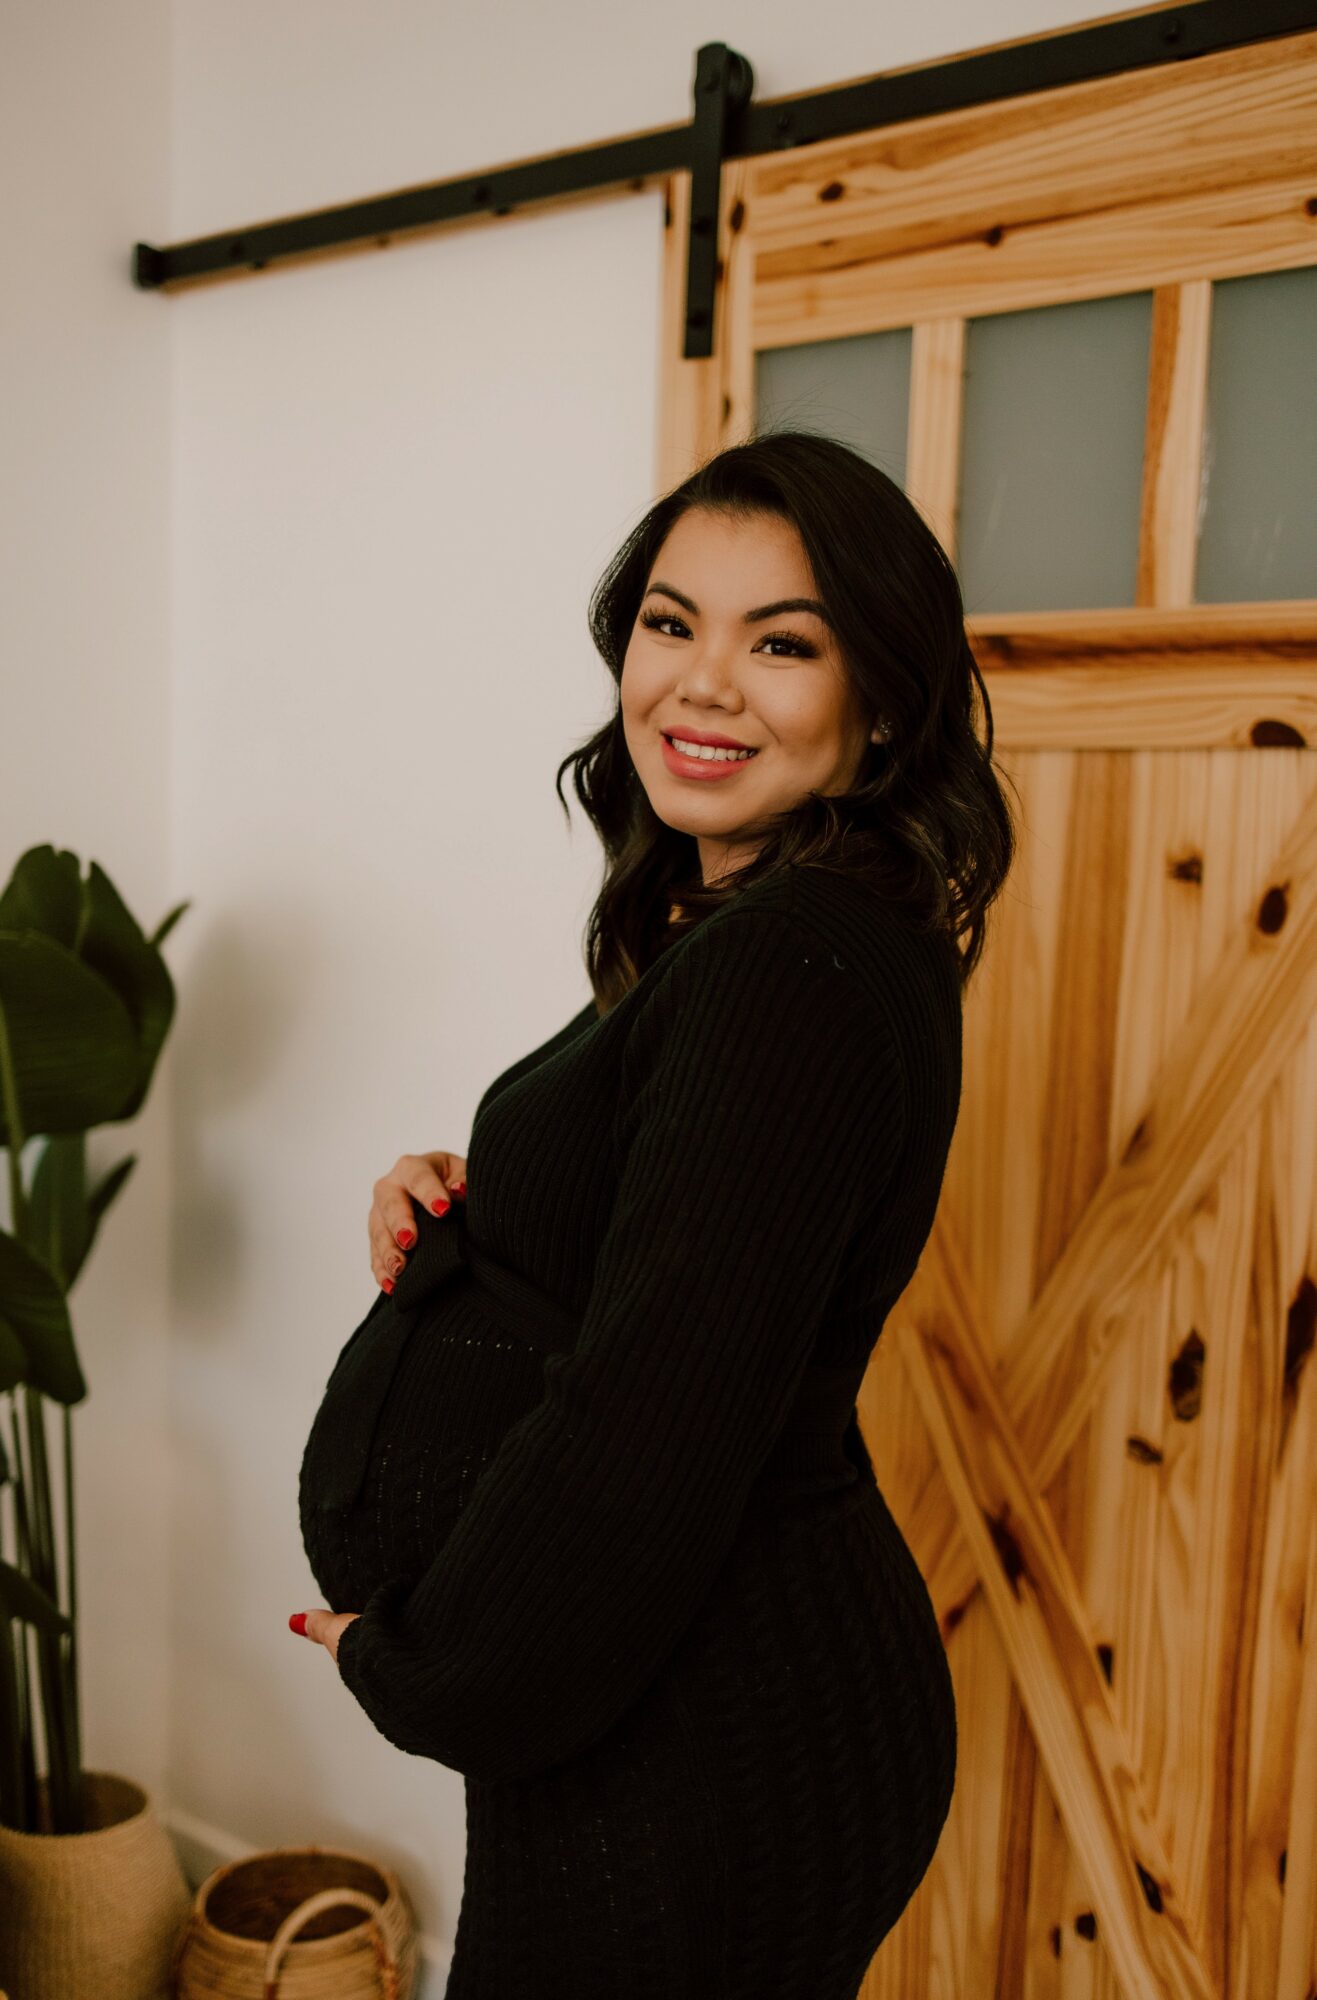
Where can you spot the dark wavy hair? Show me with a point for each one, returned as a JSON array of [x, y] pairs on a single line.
[[926, 823]]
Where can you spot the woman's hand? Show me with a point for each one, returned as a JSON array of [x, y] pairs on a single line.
[[324, 1627], [436, 1179]]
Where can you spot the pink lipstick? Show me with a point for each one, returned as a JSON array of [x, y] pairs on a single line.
[[702, 768]]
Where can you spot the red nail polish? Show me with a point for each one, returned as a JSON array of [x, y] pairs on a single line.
[[297, 1623], [405, 1239], [388, 1284], [441, 1207], [459, 1187]]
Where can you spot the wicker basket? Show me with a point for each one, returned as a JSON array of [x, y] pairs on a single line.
[[298, 1923], [93, 1915]]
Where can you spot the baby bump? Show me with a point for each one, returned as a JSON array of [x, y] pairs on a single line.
[[381, 1488]]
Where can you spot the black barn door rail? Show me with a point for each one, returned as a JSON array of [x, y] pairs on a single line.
[[727, 125]]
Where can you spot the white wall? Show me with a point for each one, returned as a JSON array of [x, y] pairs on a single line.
[[85, 578], [391, 481]]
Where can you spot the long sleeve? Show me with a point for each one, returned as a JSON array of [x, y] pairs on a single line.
[[762, 1115]]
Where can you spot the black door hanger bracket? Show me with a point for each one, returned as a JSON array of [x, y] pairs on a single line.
[[723, 83]]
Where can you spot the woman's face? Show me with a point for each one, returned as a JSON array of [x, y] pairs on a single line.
[[715, 651]]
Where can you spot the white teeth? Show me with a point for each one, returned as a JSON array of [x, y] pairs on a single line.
[[709, 752]]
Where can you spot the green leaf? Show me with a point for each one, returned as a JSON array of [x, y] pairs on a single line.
[[44, 893], [112, 944], [35, 1308], [21, 1598], [108, 1187], [71, 1040], [46, 896], [166, 924], [13, 1359], [98, 1201], [57, 1206], [63, 1215]]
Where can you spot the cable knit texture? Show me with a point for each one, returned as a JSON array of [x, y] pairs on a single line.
[[593, 1478]]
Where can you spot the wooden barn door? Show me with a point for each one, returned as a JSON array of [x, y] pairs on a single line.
[[1081, 330]]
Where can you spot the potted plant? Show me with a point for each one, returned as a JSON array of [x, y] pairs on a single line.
[[91, 1892]]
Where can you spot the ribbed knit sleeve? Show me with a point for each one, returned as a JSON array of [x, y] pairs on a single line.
[[762, 1115]]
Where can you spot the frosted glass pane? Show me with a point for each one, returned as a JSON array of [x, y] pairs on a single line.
[[1258, 516], [1052, 455], [856, 390]]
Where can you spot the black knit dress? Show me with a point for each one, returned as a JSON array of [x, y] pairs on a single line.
[[593, 1475]]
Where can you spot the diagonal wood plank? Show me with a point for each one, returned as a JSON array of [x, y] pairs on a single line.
[[1144, 1921], [1297, 1971], [1243, 1026]]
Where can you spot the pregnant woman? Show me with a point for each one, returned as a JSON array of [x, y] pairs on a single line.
[[587, 1496]]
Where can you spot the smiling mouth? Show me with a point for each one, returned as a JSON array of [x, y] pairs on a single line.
[[707, 753]]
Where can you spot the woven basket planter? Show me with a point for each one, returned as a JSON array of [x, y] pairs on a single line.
[[298, 1923], [95, 1915]]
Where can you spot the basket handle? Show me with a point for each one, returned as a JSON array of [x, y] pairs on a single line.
[[326, 1899]]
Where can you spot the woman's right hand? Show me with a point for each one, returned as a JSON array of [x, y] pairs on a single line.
[[436, 1179]]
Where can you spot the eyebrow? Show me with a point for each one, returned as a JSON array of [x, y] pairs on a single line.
[[755, 617]]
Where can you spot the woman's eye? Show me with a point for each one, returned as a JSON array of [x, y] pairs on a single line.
[[654, 621]]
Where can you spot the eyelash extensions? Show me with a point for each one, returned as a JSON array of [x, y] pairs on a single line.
[[802, 646]]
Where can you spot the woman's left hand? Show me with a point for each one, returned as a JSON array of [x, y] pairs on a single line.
[[325, 1628]]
